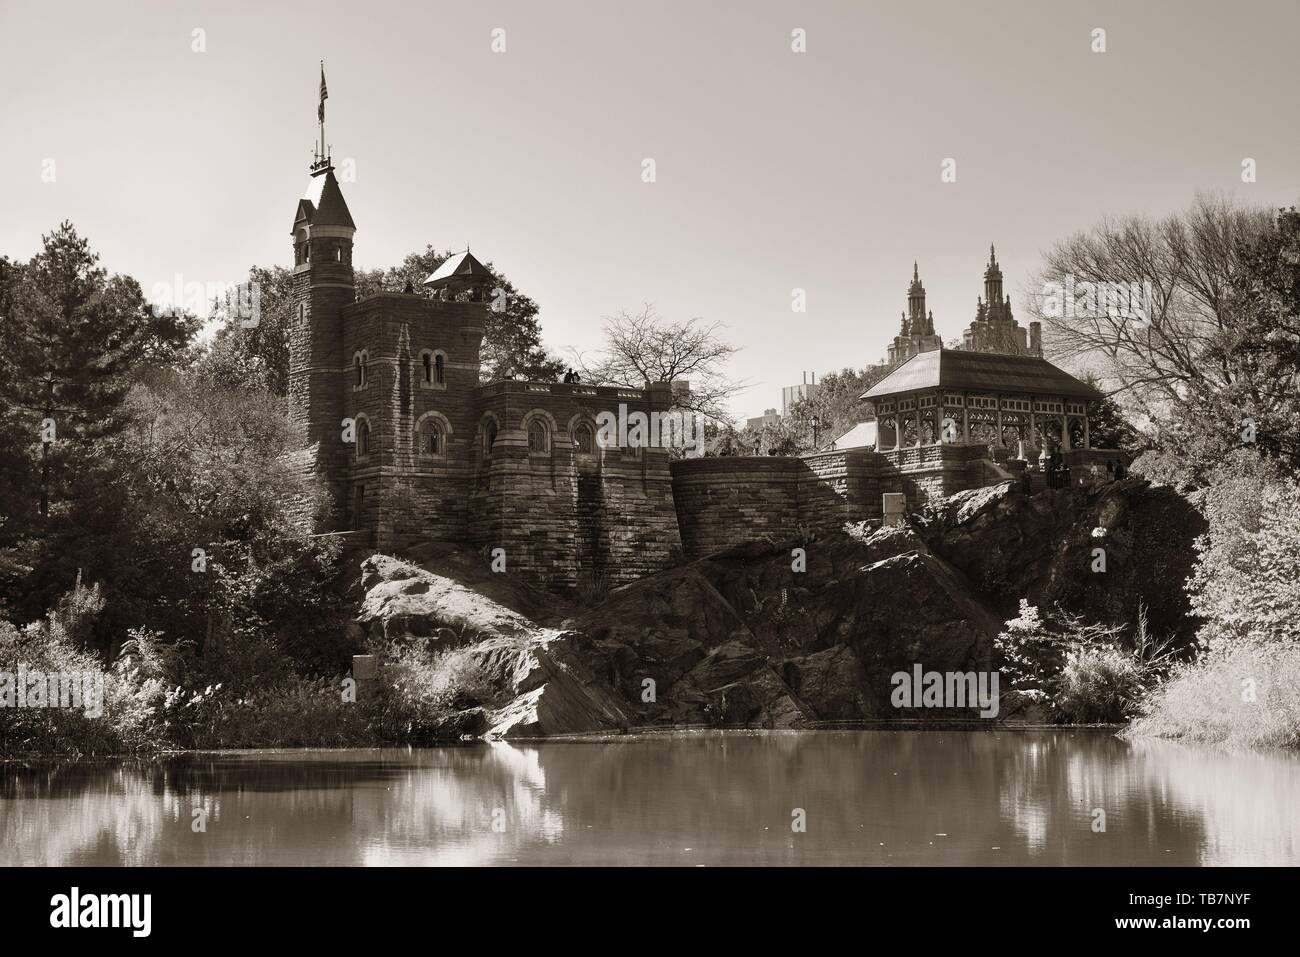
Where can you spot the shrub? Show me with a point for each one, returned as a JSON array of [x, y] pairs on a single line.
[[1084, 673], [1246, 695], [425, 695]]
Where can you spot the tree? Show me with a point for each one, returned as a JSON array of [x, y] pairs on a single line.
[[255, 355], [1260, 348], [837, 403], [1107, 426], [1189, 270], [642, 348], [72, 343]]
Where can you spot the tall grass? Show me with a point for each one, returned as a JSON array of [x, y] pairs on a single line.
[[1244, 696]]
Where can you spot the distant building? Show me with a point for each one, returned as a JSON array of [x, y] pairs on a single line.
[[760, 422], [994, 328], [916, 334], [793, 393]]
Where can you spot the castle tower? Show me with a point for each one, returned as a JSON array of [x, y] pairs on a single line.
[[322, 286]]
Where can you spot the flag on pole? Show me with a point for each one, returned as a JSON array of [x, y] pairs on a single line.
[[324, 95]]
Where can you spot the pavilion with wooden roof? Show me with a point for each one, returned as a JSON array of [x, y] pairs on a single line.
[[959, 396]]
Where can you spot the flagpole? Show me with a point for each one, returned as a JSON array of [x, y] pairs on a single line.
[[322, 113]]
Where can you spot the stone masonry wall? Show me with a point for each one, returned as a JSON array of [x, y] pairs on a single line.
[[567, 519], [726, 501]]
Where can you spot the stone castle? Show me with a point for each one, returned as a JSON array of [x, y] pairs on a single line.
[[413, 448]]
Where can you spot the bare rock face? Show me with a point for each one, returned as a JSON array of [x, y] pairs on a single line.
[[1041, 548], [811, 645], [783, 635]]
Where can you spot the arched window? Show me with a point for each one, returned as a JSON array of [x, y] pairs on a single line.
[[539, 437], [432, 439], [363, 438], [338, 254], [489, 435], [433, 364], [584, 439], [306, 252], [359, 362]]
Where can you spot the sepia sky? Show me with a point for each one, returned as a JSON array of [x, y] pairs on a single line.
[[775, 170]]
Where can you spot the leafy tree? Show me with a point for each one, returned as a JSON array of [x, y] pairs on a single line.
[[73, 342], [1108, 428], [256, 355], [1246, 584]]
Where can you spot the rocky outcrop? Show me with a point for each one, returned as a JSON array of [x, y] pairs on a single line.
[[1041, 548], [787, 634]]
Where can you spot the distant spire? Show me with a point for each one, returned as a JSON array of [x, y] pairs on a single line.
[[993, 256]]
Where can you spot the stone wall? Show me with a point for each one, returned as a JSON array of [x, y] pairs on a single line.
[[566, 518], [401, 494], [729, 500]]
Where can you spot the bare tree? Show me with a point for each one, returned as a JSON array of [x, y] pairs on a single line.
[[1189, 268], [642, 347]]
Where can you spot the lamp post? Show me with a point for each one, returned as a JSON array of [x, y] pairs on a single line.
[[815, 422]]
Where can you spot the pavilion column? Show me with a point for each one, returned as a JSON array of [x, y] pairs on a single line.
[[1087, 436], [1000, 442], [965, 422], [916, 417]]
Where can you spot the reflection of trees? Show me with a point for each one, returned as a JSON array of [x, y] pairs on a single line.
[[870, 797]]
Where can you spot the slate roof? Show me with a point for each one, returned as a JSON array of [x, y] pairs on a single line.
[[960, 370], [460, 267], [860, 436], [323, 203]]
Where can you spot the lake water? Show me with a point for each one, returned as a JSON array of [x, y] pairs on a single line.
[[707, 798]]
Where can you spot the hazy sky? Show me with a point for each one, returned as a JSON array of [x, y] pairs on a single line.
[[775, 170]]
